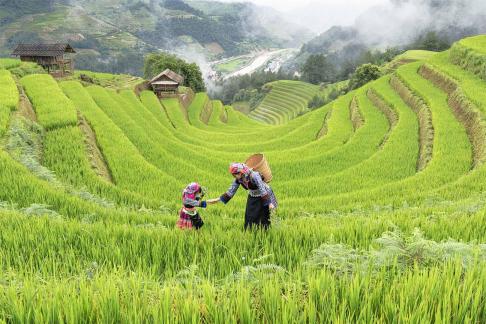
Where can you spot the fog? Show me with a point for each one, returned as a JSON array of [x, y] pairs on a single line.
[[384, 23], [401, 21], [319, 15]]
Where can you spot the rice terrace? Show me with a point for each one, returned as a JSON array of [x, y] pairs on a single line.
[[123, 195]]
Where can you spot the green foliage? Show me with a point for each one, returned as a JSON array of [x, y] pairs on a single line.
[[318, 69], [364, 74], [431, 41], [394, 251], [156, 63], [327, 94], [233, 89], [316, 102], [182, 6], [126, 61], [252, 96], [378, 57]]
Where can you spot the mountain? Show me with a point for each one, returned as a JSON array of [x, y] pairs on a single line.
[[113, 35], [401, 24]]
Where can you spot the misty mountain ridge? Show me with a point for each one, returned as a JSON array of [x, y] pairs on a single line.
[[114, 35], [397, 24]]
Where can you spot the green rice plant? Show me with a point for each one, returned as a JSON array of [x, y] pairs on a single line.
[[361, 233], [396, 251], [469, 53], [9, 98], [65, 154], [285, 101], [109, 273], [468, 93], [153, 104], [195, 109], [125, 165], [52, 107], [7, 63], [454, 154], [398, 152], [175, 111], [216, 113], [25, 143]]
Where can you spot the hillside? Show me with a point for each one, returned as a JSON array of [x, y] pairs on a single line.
[[285, 100], [114, 35], [381, 212]]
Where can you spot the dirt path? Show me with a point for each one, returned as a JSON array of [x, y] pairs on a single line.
[[95, 156]]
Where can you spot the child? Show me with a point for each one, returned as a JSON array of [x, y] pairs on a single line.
[[191, 199]]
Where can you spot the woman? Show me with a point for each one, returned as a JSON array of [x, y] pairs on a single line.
[[261, 198]]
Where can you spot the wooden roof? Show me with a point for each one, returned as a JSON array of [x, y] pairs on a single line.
[[42, 49], [171, 75]]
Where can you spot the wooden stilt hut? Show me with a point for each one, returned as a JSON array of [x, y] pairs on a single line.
[[57, 59]]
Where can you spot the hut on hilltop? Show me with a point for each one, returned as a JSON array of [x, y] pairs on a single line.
[[166, 82]]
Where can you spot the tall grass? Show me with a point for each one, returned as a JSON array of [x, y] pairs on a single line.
[[380, 220], [52, 107]]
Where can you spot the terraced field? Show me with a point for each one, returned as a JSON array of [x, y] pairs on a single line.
[[285, 101], [381, 218]]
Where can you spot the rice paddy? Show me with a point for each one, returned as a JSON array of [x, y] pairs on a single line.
[[381, 193]]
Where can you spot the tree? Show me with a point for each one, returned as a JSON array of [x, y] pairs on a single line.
[[431, 41], [364, 74], [317, 69], [156, 63], [193, 77]]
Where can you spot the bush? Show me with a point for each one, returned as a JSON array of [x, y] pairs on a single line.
[[316, 102], [364, 74]]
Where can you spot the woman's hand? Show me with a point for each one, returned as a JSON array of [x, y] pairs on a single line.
[[271, 206], [212, 201]]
